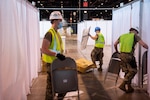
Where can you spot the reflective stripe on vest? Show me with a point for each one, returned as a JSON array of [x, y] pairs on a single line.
[[56, 46], [99, 43], [126, 42]]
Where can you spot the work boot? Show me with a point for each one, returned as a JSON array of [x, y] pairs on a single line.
[[130, 89], [100, 68], [123, 86]]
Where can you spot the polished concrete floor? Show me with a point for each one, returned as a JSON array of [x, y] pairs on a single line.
[[91, 84]]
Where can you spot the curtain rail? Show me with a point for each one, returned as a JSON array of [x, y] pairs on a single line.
[[75, 8]]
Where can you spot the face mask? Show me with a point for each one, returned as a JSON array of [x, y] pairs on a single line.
[[60, 25]]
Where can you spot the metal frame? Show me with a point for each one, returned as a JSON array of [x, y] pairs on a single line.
[[75, 8]]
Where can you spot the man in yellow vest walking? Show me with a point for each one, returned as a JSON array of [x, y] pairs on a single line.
[[52, 48], [97, 53], [128, 62]]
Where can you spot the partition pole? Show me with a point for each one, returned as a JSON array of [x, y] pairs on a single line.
[[140, 81], [79, 10]]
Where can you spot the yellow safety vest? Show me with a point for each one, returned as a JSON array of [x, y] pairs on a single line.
[[56, 46], [126, 42], [99, 43]]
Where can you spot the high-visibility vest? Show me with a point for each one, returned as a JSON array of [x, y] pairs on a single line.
[[56, 46], [99, 43], [126, 42]]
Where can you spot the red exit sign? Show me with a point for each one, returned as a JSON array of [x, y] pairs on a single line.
[[85, 4]]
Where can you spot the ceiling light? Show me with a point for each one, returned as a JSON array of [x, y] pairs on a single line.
[[38, 1], [74, 13], [85, 11], [33, 3]]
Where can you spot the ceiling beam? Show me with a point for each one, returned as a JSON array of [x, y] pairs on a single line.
[[76, 8]]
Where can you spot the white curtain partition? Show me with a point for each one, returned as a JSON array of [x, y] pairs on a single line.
[[19, 48], [106, 29], [146, 34], [121, 22], [135, 22]]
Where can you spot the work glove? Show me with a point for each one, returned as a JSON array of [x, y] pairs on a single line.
[[60, 56]]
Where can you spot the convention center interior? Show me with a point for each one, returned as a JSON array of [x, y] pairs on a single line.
[[74, 50]]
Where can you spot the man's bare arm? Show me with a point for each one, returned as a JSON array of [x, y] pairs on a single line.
[[115, 45], [141, 42]]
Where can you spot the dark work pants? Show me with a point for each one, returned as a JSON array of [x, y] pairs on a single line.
[[97, 55], [129, 66]]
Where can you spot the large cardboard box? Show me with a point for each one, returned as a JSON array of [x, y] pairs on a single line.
[[83, 65]]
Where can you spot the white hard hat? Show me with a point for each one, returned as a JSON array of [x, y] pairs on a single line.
[[135, 28], [55, 15]]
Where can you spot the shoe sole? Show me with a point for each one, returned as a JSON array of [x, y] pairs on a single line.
[[122, 89], [130, 91]]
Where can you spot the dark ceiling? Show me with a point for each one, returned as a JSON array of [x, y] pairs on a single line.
[[73, 16]]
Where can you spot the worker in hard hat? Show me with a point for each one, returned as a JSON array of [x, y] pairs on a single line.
[[97, 53], [52, 48], [128, 62]]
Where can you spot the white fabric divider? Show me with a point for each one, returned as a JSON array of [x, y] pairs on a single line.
[[19, 50], [33, 41], [106, 29], [146, 34], [121, 22], [109, 33], [135, 20], [44, 27], [80, 28]]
